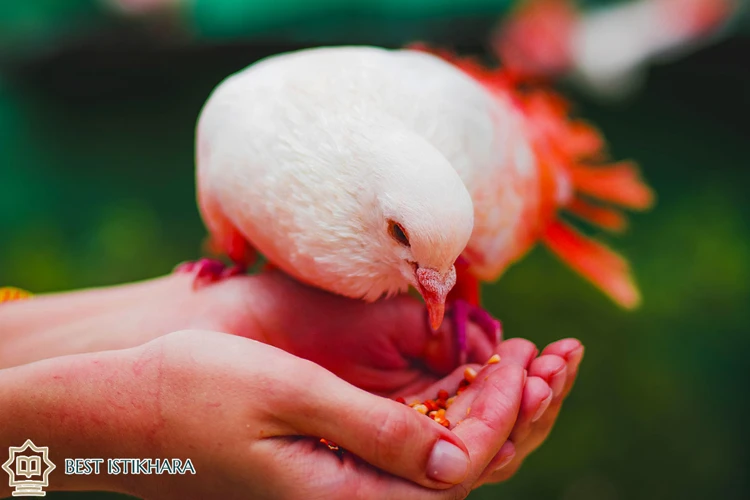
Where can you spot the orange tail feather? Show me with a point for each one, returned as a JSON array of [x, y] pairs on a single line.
[[603, 267]]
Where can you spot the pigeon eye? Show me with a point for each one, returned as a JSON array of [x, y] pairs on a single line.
[[398, 233]]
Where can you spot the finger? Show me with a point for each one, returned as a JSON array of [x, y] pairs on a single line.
[[543, 426], [492, 414], [540, 430], [500, 461], [571, 350], [503, 471], [568, 352], [537, 397], [306, 469], [518, 351], [553, 370], [388, 435], [514, 351], [449, 383]]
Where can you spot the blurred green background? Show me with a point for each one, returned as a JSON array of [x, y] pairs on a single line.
[[97, 113]]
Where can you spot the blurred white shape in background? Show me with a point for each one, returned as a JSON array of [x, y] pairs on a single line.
[[143, 7], [612, 48], [608, 50]]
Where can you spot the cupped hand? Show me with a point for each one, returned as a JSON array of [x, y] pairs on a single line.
[[387, 348], [250, 416], [550, 380]]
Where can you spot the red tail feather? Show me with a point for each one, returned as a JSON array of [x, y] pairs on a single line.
[[597, 263], [583, 141], [467, 285], [573, 148], [618, 184], [562, 143], [605, 217]]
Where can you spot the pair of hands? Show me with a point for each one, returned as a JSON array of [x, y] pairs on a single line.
[[248, 413]]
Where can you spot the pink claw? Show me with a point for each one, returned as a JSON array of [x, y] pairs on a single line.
[[210, 270], [461, 312]]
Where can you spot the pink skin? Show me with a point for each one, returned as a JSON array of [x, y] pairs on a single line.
[[550, 379], [236, 408], [433, 287], [558, 368], [383, 348], [401, 356]]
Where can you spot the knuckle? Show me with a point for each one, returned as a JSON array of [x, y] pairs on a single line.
[[536, 385], [563, 347], [551, 362], [507, 380], [394, 431], [501, 404], [524, 346]]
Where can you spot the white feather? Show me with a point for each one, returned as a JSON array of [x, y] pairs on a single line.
[[308, 154]]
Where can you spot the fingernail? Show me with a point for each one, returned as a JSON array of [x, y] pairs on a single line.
[[557, 384], [542, 407], [448, 463], [506, 461]]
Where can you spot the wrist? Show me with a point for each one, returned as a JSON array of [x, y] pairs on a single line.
[[92, 320], [83, 406]]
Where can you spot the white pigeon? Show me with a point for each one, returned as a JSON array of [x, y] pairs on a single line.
[[364, 171]]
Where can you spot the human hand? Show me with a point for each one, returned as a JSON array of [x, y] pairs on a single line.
[[388, 349], [383, 347], [550, 379], [248, 416]]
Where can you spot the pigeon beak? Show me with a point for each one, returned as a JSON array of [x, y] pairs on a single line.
[[434, 288]]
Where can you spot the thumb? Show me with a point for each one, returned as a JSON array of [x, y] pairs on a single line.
[[388, 435]]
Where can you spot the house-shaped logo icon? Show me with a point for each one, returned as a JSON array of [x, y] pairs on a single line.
[[29, 467]]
